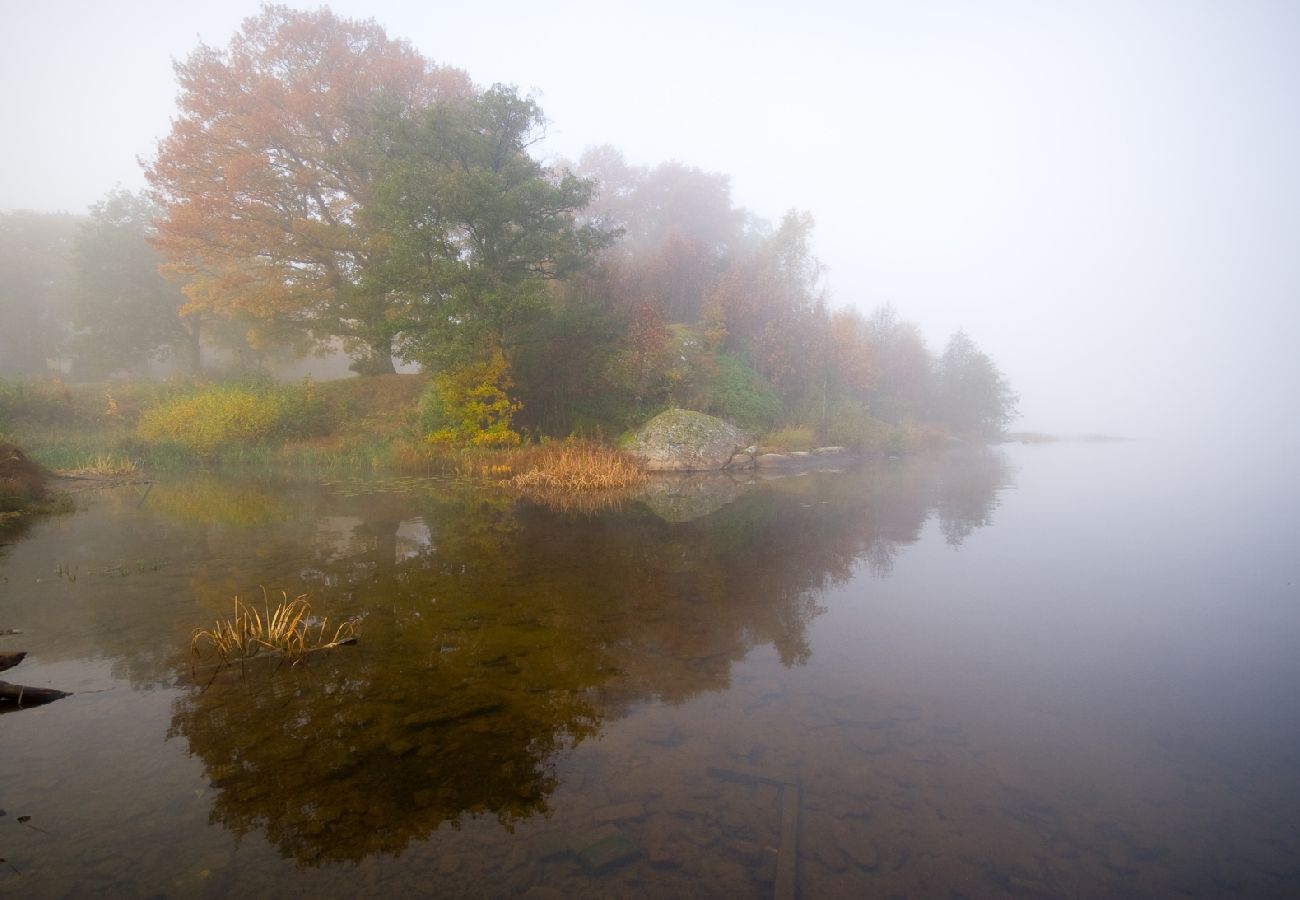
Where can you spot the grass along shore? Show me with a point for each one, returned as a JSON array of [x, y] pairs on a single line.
[[124, 429]]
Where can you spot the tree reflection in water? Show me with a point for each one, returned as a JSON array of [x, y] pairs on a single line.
[[499, 633]]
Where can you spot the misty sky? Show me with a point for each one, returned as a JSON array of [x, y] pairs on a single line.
[[1105, 196]]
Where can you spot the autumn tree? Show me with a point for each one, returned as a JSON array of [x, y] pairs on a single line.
[[270, 163], [125, 313]]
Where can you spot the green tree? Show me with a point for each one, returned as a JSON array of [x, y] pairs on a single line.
[[475, 228]]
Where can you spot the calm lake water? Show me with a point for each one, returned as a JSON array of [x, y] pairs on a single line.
[[1067, 670]]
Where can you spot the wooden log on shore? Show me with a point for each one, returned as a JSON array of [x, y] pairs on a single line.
[[23, 697], [9, 660]]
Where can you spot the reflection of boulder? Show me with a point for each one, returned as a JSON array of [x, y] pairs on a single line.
[[683, 441], [681, 498]]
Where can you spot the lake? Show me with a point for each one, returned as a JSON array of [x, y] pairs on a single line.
[[1060, 670]]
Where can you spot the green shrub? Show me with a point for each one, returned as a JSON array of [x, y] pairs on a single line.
[[734, 391]]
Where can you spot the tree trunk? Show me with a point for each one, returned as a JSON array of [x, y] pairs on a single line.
[[380, 359], [194, 346]]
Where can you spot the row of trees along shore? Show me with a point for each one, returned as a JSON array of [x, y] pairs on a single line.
[[326, 185]]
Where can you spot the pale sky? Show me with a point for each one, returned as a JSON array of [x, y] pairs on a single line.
[[1104, 195]]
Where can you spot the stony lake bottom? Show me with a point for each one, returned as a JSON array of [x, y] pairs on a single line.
[[1065, 670]]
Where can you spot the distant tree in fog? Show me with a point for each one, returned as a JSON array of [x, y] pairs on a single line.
[[34, 273], [679, 227], [124, 311], [902, 386], [971, 395]]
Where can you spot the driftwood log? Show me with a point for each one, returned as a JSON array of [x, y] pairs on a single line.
[[17, 696], [23, 697]]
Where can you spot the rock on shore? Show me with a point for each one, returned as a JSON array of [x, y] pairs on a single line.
[[680, 440]]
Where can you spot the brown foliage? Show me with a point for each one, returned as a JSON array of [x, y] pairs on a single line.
[[21, 479], [269, 162]]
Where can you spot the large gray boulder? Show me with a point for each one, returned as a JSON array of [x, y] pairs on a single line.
[[683, 441]]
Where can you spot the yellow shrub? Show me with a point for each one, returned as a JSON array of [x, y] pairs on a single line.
[[216, 417], [469, 405]]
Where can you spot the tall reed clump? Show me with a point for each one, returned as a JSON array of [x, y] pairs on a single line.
[[575, 465], [288, 630]]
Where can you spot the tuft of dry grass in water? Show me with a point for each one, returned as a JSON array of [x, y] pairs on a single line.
[[566, 467], [575, 466], [287, 630], [109, 466]]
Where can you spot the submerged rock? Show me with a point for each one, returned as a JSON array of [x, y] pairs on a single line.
[[680, 440]]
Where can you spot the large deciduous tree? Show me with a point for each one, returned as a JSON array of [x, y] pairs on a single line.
[[271, 162]]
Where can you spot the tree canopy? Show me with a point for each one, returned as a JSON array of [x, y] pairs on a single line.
[[267, 172], [474, 227], [325, 184]]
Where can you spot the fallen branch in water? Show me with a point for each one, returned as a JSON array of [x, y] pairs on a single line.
[[24, 697]]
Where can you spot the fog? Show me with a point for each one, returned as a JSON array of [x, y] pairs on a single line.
[[1103, 195]]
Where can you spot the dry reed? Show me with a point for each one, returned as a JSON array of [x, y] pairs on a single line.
[[286, 630], [572, 466], [576, 466]]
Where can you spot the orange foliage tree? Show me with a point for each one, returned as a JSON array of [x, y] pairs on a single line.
[[268, 166]]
